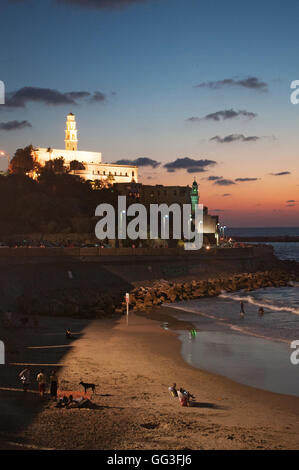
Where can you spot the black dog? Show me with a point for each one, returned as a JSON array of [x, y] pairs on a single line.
[[87, 386]]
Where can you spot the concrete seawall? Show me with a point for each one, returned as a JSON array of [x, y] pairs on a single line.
[[49, 280]]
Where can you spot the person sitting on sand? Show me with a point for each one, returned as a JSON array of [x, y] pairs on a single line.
[[185, 397], [173, 391]]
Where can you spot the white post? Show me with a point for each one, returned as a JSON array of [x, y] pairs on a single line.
[[127, 302]]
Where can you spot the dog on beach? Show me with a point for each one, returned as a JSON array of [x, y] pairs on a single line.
[[87, 386]]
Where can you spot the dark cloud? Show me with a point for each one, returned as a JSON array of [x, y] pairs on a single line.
[[141, 161], [226, 194], [189, 164], [224, 182], [252, 83], [244, 180], [109, 4], [196, 170], [48, 96], [98, 96], [14, 125], [281, 173], [291, 200], [234, 138], [290, 205], [223, 115], [214, 178]]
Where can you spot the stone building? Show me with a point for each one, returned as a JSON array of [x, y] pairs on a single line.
[[92, 167], [160, 194]]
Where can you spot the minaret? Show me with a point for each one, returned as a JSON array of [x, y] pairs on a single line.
[[194, 195], [71, 141]]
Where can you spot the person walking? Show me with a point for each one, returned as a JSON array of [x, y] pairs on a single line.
[[41, 380], [53, 384], [25, 378]]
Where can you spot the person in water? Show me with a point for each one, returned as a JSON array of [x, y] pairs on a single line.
[[242, 311], [261, 311]]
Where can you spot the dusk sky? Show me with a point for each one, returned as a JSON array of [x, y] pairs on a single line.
[[200, 86]]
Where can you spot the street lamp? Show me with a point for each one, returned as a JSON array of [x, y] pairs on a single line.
[[5, 154]]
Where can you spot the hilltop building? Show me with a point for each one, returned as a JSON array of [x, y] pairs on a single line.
[[92, 167]]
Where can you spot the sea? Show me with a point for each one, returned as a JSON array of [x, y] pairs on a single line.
[[257, 350], [284, 250]]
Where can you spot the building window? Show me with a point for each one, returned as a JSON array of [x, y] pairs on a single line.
[[133, 173]]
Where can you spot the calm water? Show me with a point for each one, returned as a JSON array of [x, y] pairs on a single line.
[[285, 251], [254, 350], [262, 231]]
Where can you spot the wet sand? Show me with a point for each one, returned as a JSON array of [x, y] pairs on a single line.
[[133, 365]]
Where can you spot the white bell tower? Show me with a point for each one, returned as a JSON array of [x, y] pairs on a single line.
[[71, 140]]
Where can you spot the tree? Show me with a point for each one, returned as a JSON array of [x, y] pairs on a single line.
[[97, 184], [76, 165], [23, 161], [56, 166]]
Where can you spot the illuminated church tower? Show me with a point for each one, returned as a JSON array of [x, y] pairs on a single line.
[[71, 141]]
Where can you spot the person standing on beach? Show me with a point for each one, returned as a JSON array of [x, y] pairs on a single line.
[[242, 312], [53, 384], [25, 378], [41, 380]]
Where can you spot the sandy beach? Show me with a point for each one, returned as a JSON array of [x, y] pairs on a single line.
[[132, 365]]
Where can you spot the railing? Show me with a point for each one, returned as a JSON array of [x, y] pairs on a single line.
[[115, 252]]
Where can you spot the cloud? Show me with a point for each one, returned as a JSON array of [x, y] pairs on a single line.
[[243, 180], [226, 194], [234, 138], [223, 115], [214, 178], [98, 96], [48, 96], [224, 182], [217, 210], [290, 205], [189, 164], [291, 200], [14, 125], [98, 4], [141, 161], [281, 173], [252, 83]]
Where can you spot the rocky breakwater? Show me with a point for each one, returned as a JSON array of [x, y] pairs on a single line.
[[168, 291]]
